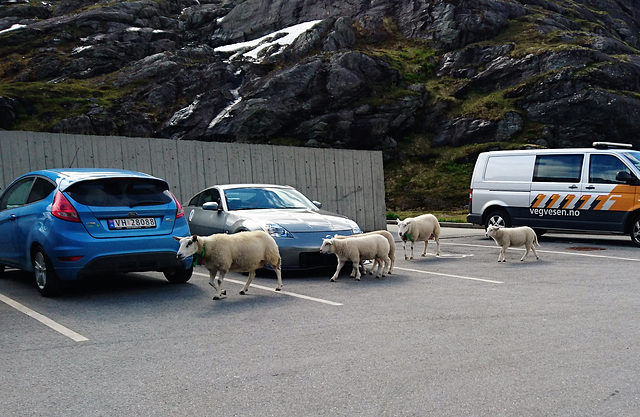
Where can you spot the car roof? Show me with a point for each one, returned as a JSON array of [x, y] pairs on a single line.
[[231, 186], [64, 177]]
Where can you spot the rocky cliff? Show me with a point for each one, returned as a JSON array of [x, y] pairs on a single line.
[[431, 83]]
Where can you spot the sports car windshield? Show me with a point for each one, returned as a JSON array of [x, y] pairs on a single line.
[[266, 198]]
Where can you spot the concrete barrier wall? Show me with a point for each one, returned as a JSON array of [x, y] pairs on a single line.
[[345, 181]]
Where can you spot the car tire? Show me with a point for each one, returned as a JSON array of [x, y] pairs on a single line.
[[634, 232], [178, 275], [46, 279], [497, 217]]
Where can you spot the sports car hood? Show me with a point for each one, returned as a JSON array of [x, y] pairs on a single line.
[[301, 221]]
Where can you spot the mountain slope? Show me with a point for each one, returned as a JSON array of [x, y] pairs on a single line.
[[431, 83]]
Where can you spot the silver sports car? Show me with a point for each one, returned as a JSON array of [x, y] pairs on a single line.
[[296, 223]]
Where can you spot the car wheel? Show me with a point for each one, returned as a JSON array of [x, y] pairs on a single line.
[[178, 275], [634, 233], [46, 279], [497, 217]]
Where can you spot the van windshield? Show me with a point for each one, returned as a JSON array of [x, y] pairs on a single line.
[[634, 158]]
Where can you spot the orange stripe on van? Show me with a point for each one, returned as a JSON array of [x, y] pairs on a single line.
[[567, 200], [538, 200]]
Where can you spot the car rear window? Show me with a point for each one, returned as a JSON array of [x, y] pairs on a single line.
[[120, 192]]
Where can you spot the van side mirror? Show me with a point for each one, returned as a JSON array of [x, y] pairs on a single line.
[[211, 205], [317, 204], [626, 177]]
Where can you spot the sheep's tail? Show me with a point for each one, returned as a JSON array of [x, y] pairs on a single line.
[[535, 239]]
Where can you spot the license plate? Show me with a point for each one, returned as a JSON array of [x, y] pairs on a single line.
[[133, 223]]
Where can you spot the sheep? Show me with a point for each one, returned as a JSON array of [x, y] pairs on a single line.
[[392, 247], [421, 228], [366, 247], [239, 252], [513, 236]]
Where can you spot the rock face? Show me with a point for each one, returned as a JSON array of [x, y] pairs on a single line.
[[353, 74]]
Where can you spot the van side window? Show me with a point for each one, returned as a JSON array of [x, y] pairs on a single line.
[[604, 168], [557, 168]]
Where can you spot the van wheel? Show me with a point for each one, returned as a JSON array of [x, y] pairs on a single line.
[[634, 233], [497, 217]]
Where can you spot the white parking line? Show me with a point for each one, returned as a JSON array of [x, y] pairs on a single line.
[[43, 319], [449, 275], [291, 294], [588, 255]]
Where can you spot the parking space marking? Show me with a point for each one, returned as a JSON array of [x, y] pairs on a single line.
[[43, 319], [449, 275], [588, 255], [291, 294]]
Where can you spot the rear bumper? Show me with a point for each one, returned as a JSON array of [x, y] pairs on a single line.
[[474, 219]]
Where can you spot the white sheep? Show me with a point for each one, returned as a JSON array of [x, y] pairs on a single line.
[[416, 229], [513, 236], [366, 247], [239, 252], [392, 247]]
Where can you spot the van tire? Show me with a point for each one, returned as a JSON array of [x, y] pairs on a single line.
[[497, 217], [634, 231]]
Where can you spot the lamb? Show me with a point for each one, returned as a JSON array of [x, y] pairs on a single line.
[[421, 228], [239, 252], [392, 247], [513, 236], [366, 247]]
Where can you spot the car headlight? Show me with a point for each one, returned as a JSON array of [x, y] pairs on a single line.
[[355, 229], [275, 230]]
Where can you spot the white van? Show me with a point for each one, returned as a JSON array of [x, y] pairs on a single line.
[[583, 189]]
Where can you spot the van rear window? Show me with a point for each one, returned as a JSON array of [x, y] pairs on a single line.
[[557, 168], [509, 168]]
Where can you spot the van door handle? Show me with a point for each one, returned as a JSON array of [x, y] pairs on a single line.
[[590, 187], [13, 217], [573, 187]]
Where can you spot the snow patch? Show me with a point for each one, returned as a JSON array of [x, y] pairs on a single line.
[[283, 37]]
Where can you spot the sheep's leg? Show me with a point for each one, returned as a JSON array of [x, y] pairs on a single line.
[[533, 248], [252, 275], [217, 284], [525, 253], [404, 246], [278, 270], [358, 271], [411, 250], [424, 252], [503, 254], [391, 264], [340, 265], [437, 239]]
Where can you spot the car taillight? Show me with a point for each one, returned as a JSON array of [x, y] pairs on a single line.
[[179, 209], [63, 209], [470, 198]]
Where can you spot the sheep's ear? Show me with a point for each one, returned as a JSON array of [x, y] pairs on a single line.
[[398, 221], [194, 238], [177, 238]]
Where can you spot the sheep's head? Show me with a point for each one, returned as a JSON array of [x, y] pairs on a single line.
[[403, 228], [491, 231], [188, 246], [326, 245]]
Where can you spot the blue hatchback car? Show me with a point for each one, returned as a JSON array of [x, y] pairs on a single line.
[[65, 224]]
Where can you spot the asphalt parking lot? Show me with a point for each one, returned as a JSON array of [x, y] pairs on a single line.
[[456, 335]]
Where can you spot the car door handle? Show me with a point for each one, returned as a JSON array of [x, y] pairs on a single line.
[[590, 187], [13, 217], [573, 187]]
